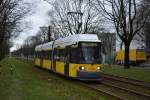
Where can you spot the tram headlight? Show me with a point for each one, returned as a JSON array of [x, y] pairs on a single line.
[[98, 68], [81, 67]]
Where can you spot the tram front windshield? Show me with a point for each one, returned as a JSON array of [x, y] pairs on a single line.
[[86, 53]]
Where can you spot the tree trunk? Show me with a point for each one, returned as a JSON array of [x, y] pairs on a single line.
[[126, 57]]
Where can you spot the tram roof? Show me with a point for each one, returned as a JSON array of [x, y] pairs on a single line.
[[69, 40]]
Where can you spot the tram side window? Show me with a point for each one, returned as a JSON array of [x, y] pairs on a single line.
[[35, 54], [38, 54], [75, 55], [59, 54], [62, 54], [56, 54], [49, 54], [45, 55], [41, 54]]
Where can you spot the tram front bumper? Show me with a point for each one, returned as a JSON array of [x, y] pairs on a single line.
[[86, 75]]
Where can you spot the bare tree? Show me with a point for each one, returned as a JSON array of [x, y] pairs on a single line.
[[11, 12], [28, 48], [108, 45], [45, 33], [124, 15], [74, 17], [146, 30]]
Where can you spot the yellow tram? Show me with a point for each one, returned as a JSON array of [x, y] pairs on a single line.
[[76, 56], [136, 56]]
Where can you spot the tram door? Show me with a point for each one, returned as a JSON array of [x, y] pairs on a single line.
[[67, 57]]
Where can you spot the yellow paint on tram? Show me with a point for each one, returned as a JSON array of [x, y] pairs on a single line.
[[37, 61], [60, 67], [46, 64], [88, 67], [134, 55]]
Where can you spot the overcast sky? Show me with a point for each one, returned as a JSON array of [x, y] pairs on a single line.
[[37, 18]]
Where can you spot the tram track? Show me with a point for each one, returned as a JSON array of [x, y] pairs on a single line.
[[126, 80], [131, 86], [120, 88], [128, 90], [91, 86], [116, 92], [144, 91]]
